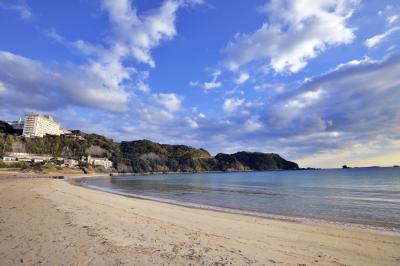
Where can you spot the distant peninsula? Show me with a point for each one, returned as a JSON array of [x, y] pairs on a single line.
[[139, 156]]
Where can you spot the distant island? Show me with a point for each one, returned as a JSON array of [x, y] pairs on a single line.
[[140, 156], [372, 166]]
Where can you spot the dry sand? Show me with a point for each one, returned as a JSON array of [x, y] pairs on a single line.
[[52, 222]]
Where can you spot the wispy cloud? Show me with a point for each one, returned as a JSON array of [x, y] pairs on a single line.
[[243, 77], [231, 104], [377, 39], [390, 13], [392, 19], [22, 9], [214, 83]]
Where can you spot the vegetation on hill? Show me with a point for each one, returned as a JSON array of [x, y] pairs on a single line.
[[6, 128], [142, 156], [60, 146], [148, 156], [263, 161]]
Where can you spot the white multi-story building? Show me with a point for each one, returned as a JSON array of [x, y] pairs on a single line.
[[37, 125], [107, 164]]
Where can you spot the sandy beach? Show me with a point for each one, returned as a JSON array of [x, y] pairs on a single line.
[[53, 222]]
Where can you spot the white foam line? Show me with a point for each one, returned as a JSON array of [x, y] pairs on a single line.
[[368, 199]]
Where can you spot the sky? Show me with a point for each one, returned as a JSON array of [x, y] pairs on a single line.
[[317, 81]]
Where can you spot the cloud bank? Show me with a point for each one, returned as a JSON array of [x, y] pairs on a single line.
[[353, 107], [27, 83]]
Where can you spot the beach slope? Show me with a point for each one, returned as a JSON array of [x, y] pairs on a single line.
[[53, 222]]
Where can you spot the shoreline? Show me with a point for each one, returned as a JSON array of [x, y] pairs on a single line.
[[46, 221], [77, 178], [371, 226]]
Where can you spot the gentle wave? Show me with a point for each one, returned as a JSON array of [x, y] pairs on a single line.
[[368, 199], [386, 227]]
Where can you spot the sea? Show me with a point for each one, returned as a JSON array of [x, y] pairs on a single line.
[[367, 197]]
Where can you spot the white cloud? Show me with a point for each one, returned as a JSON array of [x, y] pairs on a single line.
[[133, 36], [32, 85], [169, 100], [213, 84], [252, 125], [22, 9], [365, 60], [106, 78], [2, 88], [303, 100], [391, 48], [392, 19], [141, 82], [390, 14], [354, 107], [139, 34], [296, 31], [230, 105], [194, 83], [360, 101], [191, 122], [375, 40], [151, 115], [243, 77]]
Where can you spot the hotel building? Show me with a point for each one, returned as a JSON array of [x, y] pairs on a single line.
[[37, 125]]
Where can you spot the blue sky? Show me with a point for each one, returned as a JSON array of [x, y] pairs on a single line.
[[316, 81]]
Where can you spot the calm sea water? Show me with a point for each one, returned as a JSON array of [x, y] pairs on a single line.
[[363, 196]]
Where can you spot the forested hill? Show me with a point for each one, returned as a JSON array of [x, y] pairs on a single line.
[[5, 128], [142, 156]]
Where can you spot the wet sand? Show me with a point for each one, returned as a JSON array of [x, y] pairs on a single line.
[[52, 222]]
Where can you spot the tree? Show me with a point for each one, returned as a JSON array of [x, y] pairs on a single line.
[[66, 152], [95, 150]]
